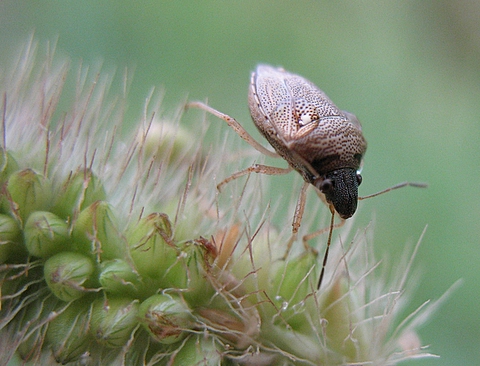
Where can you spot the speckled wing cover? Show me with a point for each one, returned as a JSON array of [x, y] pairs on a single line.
[[299, 120]]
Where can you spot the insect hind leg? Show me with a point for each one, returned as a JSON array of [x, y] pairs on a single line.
[[313, 235]]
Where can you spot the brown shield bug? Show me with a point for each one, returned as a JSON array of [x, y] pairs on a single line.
[[324, 144]]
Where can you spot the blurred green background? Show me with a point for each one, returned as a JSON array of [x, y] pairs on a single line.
[[410, 70]]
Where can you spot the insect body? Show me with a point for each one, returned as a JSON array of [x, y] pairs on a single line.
[[321, 142], [324, 144]]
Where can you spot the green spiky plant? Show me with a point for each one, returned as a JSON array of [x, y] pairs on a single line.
[[121, 251]]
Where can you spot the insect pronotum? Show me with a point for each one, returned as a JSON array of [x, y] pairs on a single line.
[[324, 144]]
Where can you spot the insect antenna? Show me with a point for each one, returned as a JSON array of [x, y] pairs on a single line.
[[396, 186]]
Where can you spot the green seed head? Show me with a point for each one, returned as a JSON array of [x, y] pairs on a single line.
[[231, 298]]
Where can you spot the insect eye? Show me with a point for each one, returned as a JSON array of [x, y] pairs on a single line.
[[359, 179], [326, 186]]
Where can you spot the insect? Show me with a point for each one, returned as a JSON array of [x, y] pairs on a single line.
[[324, 144]]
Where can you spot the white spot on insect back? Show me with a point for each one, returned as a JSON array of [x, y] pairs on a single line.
[[305, 119]]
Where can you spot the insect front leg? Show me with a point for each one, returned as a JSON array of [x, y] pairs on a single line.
[[297, 220], [237, 127]]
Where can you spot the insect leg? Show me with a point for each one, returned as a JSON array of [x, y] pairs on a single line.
[[299, 209], [297, 219], [313, 235], [237, 127], [255, 168]]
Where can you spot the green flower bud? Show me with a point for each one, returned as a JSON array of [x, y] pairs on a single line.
[[153, 251], [198, 350], [166, 141], [292, 281], [295, 277], [95, 232], [237, 320], [8, 165], [265, 253], [189, 221], [166, 318], [113, 320], [11, 245], [118, 277], [11, 283], [67, 274], [344, 332], [26, 191], [33, 323], [68, 334], [198, 257], [80, 190], [46, 234]]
